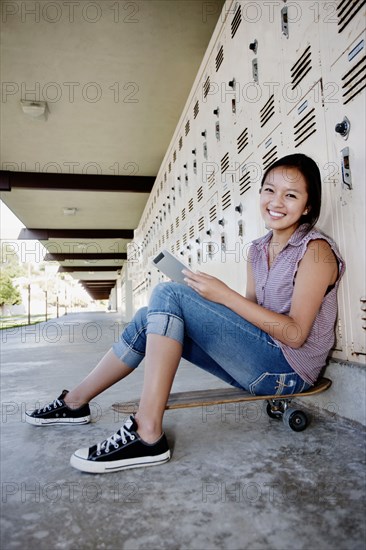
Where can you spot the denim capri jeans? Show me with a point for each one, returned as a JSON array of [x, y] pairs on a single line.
[[214, 338]]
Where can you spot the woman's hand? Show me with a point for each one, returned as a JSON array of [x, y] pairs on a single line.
[[207, 286]]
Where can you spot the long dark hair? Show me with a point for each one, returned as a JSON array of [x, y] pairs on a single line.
[[310, 171]]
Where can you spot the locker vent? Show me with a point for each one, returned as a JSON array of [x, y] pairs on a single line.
[[200, 194], [354, 81], [177, 221], [180, 143], [201, 223], [305, 127], [242, 140], [224, 163], [174, 156], [172, 249], [163, 239], [196, 109], [219, 58], [244, 183], [161, 185], [211, 180], [206, 87], [213, 213], [183, 214], [165, 176], [169, 167], [301, 68], [190, 205], [177, 245], [236, 22], [188, 127], [191, 232], [226, 200], [172, 229], [167, 234], [267, 111], [184, 239], [270, 157], [346, 11]]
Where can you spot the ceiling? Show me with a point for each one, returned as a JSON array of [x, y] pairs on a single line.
[[115, 76]]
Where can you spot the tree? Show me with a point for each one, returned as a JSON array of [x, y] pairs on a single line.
[[9, 295]]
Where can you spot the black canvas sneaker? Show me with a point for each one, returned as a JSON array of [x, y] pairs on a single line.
[[58, 412], [125, 449]]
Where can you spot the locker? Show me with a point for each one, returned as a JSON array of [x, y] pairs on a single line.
[[300, 51], [342, 22], [346, 152], [278, 77]]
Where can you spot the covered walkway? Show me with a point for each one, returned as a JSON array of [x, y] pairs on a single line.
[[237, 479]]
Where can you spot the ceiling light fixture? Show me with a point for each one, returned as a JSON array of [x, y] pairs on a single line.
[[70, 211], [35, 109]]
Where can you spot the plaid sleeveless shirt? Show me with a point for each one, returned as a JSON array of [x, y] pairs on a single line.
[[274, 288]]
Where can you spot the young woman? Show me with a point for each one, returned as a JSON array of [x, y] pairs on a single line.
[[274, 341]]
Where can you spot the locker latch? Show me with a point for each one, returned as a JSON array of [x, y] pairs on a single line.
[[346, 169], [284, 21]]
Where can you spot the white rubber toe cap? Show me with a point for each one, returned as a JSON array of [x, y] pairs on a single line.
[[82, 453]]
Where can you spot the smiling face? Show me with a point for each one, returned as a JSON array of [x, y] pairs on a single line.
[[284, 199]]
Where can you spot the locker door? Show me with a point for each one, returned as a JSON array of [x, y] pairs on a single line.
[[346, 149], [267, 73], [247, 215], [300, 50], [342, 21]]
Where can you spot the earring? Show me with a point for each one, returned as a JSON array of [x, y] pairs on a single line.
[[305, 212]]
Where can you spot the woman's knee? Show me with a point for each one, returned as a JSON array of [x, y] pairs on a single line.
[[140, 317]]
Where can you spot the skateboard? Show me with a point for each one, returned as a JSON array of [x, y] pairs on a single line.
[[277, 405]]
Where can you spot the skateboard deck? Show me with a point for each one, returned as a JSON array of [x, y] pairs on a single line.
[[199, 398]]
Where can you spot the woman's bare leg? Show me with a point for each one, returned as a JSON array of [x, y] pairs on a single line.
[[108, 371], [161, 362]]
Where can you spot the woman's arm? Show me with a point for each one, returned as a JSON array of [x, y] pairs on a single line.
[[250, 293], [317, 270]]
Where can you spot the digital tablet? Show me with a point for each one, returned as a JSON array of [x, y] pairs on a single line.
[[168, 264]]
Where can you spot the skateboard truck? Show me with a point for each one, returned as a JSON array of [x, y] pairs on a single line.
[[293, 418]]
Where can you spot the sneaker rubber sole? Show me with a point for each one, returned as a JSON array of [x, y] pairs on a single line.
[[51, 421], [95, 467]]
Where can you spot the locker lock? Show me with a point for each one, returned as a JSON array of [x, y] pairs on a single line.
[[232, 83], [239, 208], [178, 178], [209, 232], [221, 221], [343, 128], [194, 151], [216, 112], [185, 166], [198, 240], [203, 134], [254, 46]]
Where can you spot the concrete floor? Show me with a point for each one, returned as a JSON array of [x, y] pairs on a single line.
[[237, 479]]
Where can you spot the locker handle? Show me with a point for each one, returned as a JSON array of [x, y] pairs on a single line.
[[284, 21]]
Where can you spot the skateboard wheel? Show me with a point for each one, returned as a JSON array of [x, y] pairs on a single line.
[[295, 419], [273, 413]]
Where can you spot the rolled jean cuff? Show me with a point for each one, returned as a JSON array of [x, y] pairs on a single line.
[[165, 324], [127, 354]]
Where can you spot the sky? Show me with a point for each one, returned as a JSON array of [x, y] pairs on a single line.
[[10, 225]]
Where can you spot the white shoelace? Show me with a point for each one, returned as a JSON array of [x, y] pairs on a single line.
[[56, 403], [113, 440]]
